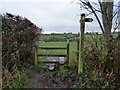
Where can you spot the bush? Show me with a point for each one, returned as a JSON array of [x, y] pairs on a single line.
[[101, 63], [91, 79], [18, 39]]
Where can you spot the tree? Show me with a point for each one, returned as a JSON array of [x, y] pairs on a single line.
[[104, 10], [118, 16], [107, 17]]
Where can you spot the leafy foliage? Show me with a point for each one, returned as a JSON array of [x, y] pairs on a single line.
[[103, 66], [98, 73], [18, 37]]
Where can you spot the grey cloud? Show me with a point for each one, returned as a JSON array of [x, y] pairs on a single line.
[[52, 16]]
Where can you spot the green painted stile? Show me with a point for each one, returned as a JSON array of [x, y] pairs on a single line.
[[67, 51], [36, 55]]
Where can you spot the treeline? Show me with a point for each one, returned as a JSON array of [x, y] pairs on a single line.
[[57, 37], [18, 37]]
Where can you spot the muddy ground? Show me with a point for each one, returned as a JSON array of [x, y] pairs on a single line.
[[39, 79]]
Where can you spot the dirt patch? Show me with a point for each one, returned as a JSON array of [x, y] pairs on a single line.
[[41, 80]]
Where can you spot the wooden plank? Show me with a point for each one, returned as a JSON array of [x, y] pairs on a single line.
[[52, 55], [68, 51], [52, 47], [49, 61]]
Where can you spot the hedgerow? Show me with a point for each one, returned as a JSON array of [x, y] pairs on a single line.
[[18, 39]]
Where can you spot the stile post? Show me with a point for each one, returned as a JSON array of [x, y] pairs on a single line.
[[68, 51], [78, 41], [36, 58], [81, 44]]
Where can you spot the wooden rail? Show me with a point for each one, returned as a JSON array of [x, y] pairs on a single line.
[[62, 55], [52, 55], [49, 61], [52, 48]]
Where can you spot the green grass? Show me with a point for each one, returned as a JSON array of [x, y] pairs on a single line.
[[51, 43], [57, 37], [88, 41], [47, 44], [94, 52], [73, 49]]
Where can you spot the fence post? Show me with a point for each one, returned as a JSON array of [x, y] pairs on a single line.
[[36, 58], [67, 52], [78, 41], [81, 45]]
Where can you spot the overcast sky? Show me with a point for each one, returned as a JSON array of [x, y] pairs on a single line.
[[57, 16]]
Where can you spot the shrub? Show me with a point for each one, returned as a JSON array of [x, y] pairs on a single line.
[[18, 38], [102, 64]]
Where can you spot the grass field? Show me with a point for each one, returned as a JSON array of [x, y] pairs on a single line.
[[73, 49], [89, 40]]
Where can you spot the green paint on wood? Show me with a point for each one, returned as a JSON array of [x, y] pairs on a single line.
[[49, 48], [81, 44], [68, 51], [52, 55]]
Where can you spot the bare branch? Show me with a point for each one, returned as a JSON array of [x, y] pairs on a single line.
[[89, 14], [92, 9]]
